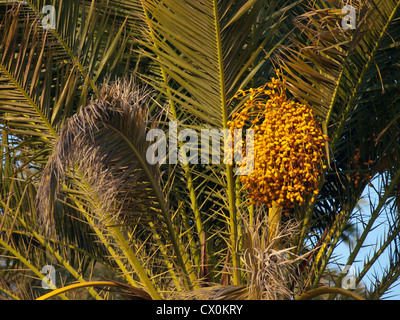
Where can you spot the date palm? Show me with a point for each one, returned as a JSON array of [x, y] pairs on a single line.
[[76, 188]]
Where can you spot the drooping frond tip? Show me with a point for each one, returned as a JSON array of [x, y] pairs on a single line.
[[98, 157]]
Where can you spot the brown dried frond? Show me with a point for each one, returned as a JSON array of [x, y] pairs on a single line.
[[101, 146], [213, 292], [269, 264], [269, 270]]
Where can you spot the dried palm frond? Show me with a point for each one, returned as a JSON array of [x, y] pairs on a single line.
[[269, 263], [213, 292], [105, 143], [269, 267]]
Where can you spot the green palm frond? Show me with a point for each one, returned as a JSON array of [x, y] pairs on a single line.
[[349, 77], [327, 65], [200, 48], [96, 34], [75, 140], [206, 52], [44, 81]]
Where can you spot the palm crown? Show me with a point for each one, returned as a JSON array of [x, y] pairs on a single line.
[[77, 102]]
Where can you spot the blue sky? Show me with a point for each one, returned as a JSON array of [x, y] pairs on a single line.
[[373, 240]]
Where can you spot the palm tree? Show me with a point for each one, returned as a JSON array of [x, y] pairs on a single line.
[[77, 191]]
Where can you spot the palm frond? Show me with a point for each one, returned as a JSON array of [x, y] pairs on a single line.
[[105, 141], [200, 48], [327, 65]]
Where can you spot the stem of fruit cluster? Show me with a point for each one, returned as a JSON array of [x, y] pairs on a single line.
[[274, 217]]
